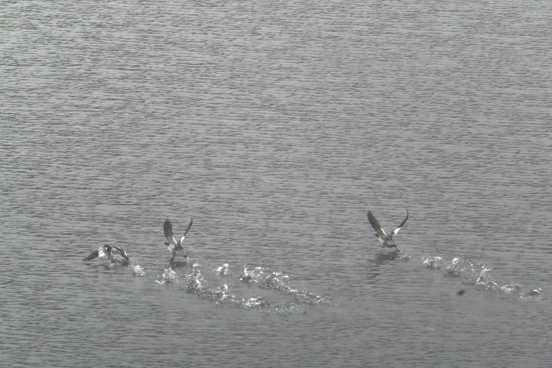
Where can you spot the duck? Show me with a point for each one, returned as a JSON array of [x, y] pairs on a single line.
[[384, 239], [116, 255], [175, 247]]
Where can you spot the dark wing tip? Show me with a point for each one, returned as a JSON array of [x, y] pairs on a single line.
[[189, 226], [375, 224], [92, 255], [404, 222], [167, 228]]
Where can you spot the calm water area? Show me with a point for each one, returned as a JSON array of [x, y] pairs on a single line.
[[276, 126]]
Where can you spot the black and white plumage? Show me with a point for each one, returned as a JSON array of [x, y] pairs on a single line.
[[116, 255], [175, 247], [384, 239]]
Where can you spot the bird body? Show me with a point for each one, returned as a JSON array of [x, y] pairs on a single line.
[[116, 255], [386, 240], [175, 247]]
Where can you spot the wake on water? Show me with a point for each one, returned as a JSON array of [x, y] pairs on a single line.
[[271, 290], [261, 289], [480, 276]]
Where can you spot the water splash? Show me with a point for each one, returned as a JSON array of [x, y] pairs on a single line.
[[432, 262], [138, 271], [405, 257], [195, 282], [223, 270], [255, 302], [480, 276], [222, 293], [458, 266], [532, 295], [265, 279], [287, 300], [251, 276], [169, 276]]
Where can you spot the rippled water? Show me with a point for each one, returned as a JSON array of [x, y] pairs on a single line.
[[276, 126]]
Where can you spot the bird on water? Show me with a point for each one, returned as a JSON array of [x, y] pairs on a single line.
[[116, 255]]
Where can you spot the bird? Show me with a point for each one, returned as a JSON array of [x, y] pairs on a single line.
[[175, 247], [116, 255], [384, 239]]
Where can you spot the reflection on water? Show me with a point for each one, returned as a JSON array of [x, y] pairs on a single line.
[[384, 257]]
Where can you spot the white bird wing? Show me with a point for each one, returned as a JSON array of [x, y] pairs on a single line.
[[402, 224], [188, 229]]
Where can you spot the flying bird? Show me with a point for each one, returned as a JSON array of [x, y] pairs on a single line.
[[175, 247], [384, 239]]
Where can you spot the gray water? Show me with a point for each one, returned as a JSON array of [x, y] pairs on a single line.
[[276, 125]]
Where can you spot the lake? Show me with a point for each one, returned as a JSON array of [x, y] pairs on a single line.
[[276, 126]]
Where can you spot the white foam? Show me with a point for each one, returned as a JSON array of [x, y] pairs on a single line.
[[138, 271]]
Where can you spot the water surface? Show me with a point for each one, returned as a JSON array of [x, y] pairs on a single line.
[[276, 126]]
